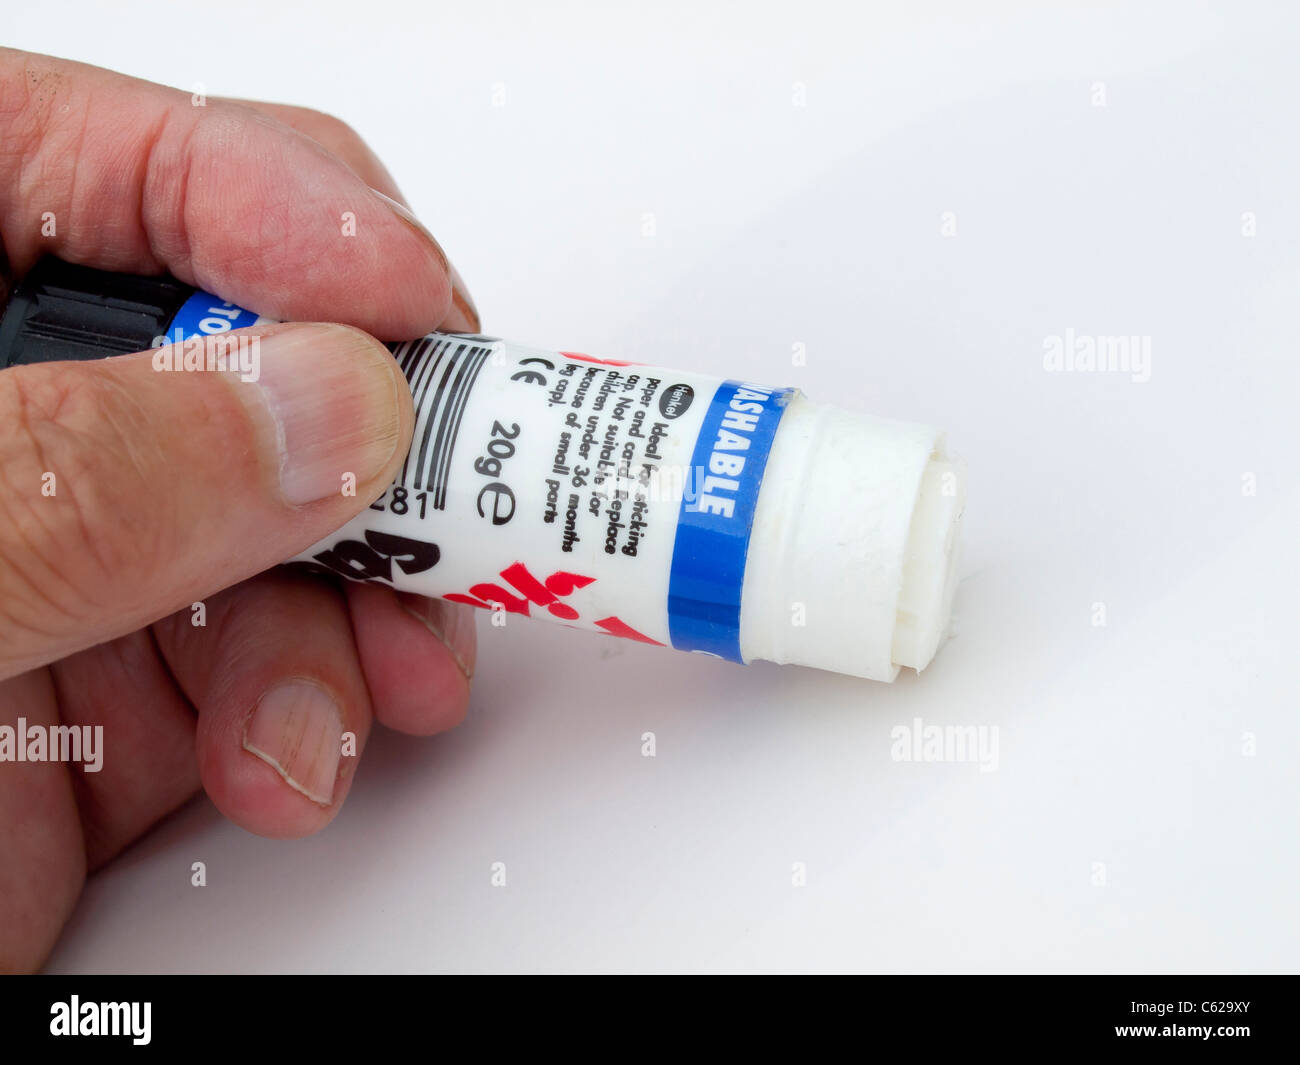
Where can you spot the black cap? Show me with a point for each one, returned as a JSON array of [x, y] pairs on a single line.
[[62, 311]]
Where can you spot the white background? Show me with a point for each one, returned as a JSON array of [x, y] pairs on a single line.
[[775, 225]]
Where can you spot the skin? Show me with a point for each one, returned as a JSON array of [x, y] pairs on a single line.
[[243, 199]]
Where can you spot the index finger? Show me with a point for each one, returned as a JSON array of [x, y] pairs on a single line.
[[122, 174]]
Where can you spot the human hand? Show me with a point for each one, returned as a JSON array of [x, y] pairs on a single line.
[[172, 489]]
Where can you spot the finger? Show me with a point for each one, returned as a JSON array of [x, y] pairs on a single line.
[[123, 174], [42, 862], [144, 764], [417, 655], [130, 493], [336, 136], [278, 689]]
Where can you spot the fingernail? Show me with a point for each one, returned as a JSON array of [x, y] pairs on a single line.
[[452, 623], [332, 394], [421, 230], [297, 728], [463, 316]]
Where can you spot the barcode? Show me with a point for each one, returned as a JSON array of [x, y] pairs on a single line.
[[441, 372]]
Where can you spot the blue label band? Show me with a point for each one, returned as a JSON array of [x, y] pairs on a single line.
[[717, 514], [203, 314]]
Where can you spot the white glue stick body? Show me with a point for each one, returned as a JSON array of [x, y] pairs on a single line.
[[721, 517]]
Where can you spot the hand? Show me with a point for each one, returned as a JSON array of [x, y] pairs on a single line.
[[170, 487]]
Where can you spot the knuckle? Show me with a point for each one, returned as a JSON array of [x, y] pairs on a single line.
[[326, 126], [40, 113]]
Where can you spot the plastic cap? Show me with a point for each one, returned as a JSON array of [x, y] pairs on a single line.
[[62, 311]]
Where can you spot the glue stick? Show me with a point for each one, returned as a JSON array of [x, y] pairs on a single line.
[[723, 517]]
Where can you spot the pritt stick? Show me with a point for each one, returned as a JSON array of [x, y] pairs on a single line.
[[727, 518]]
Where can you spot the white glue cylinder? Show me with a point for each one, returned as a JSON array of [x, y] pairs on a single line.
[[721, 517], [718, 517]]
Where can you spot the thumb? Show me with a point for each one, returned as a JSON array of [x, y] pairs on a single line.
[[129, 492]]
